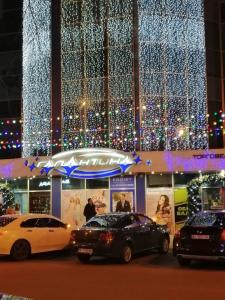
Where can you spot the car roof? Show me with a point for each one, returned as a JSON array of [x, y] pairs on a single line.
[[26, 216], [119, 214], [211, 211]]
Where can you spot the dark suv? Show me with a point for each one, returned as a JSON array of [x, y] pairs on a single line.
[[201, 238]]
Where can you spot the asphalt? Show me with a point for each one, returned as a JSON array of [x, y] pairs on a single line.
[[61, 276]]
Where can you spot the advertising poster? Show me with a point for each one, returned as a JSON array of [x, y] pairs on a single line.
[[159, 206], [73, 203], [122, 201], [122, 194], [100, 199], [180, 204]]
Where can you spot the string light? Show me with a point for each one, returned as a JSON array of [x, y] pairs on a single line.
[[36, 74], [98, 105], [172, 74]]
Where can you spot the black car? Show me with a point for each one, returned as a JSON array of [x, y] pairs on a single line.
[[201, 238], [119, 235]]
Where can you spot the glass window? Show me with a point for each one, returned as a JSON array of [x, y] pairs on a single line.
[[29, 223], [55, 223], [130, 220], [97, 183], [213, 197], [18, 184], [43, 222], [6, 220], [104, 221], [157, 180], [183, 179], [207, 219], [72, 183], [40, 184], [39, 202], [144, 220]]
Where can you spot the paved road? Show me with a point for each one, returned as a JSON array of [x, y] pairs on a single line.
[[61, 277]]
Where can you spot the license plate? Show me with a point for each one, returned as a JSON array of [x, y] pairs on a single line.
[[85, 251], [200, 236]]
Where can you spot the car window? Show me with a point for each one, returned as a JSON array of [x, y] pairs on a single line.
[[104, 221], [43, 222], [129, 220], [144, 220], [55, 223], [5, 221], [29, 223], [204, 220]]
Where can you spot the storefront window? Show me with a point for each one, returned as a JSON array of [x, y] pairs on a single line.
[[21, 198], [37, 184], [213, 197], [159, 180], [183, 179], [97, 183], [39, 202], [18, 184], [73, 184]]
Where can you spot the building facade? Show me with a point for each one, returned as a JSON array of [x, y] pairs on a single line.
[[129, 75]]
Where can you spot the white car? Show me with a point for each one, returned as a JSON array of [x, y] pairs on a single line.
[[22, 235]]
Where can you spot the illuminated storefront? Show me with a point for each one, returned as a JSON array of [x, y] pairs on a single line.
[[168, 176]]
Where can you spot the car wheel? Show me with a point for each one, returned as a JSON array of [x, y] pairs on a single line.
[[20, 250], [164, 248], [126, 254], [183, 261], [83, 258]]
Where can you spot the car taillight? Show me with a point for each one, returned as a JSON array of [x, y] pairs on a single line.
[[106, 237], [177, 234], [73, 236], [222, 236]]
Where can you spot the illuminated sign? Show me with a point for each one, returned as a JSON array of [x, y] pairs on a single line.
[[209, 156], [89, 163]]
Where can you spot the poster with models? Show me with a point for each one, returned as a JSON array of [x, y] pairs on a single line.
[[122, 201], [159, 206], [73, 203], [100, 199]]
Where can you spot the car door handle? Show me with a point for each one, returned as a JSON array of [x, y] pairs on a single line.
[[51, 230], [29, 230]]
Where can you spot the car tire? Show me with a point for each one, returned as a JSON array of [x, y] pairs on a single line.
[[183, 261], [126, 254], [20, 250], [84, 258], [164, 247]]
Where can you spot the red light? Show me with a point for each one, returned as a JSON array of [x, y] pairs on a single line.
[[223, 235], [177, 234], [106, 237], [73, 236]]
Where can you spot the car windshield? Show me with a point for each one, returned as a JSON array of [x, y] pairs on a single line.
[[207, 219], [104, 221], [5, 221]]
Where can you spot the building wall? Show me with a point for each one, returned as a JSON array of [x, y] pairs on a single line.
[[10, 77]]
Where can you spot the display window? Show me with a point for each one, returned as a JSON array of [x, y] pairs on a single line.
[[39, 202]]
